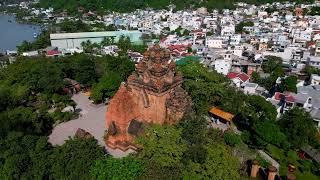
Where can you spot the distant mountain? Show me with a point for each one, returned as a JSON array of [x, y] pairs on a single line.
[[12, 1], [131, 5]]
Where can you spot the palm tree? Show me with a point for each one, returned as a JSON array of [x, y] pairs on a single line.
[[87, 46], [105, 42], [112, 39]]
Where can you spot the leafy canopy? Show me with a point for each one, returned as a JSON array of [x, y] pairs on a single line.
[[299, 127], [162, 145], [126, 168]]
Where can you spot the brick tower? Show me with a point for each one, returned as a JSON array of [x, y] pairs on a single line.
[[152, 94]]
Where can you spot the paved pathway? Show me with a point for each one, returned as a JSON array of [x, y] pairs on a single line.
[[269, 159], [91, 119]]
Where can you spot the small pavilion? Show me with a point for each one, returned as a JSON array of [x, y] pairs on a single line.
[[219, 116]]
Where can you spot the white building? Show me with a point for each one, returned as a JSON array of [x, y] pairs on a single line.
[[110, 50], [227, 29], [223, 66], [235, 39], [30, 53], [214, 42], [74, 40], [250, 88], [315, 79], [314, 61]]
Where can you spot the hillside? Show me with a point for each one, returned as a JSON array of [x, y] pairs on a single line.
[[129, 5]]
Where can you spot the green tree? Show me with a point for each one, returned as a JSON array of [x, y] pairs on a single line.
[[34, 74], [71, 26], [112, 168], [218, 165], [87, 46], [84, 70], [289, 84], [179, 31], [162, 152], [106, 41], [298, 125], [194, 131], [24, 157], [263, 109], [74, 159], [256, 77], [271, 64], [42, 41], [102, 7], [113, 71], [106, 87], [122, 66], [24, 119], [124, 43], [204, 86], [232, 139], [12, 95], [312, 70], [239, 27], [186, 32], [314, 11], [271, 133], [162, 145]]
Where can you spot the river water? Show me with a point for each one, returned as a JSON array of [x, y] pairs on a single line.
[[13, 33]]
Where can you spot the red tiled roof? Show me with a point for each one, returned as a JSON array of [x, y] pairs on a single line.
[[53, 52], [163, 39], [186, 54], [311, 43], [287, 95], [196, 31], [242, 76], [178, 47], [232, 75]]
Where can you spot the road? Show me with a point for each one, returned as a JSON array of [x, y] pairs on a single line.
[[91, 119]]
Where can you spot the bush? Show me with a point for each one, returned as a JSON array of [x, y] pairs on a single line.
[[106, 87], [96, 93], [305, 165], [262, 161], [307, 175], [232, 139], [117, 168], [245, 136], [275, 152], [59, 116], [292, 157]]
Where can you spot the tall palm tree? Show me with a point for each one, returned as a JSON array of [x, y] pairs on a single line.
[[105, 42], [112, 39]]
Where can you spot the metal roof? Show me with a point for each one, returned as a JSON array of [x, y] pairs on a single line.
[[132, 34], [222, 114]]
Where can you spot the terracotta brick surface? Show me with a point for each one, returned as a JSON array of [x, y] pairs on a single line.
[[152, 94]]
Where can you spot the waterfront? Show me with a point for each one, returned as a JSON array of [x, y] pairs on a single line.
[[13, 33]]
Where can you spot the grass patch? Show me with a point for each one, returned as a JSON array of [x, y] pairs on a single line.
[[275, 152]]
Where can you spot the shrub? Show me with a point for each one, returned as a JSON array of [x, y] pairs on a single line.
[[245, 136], [262, 161], [59, 116], [275, 152], [232, 139]]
